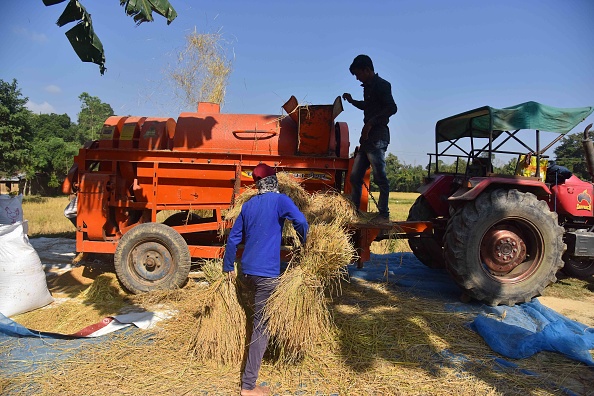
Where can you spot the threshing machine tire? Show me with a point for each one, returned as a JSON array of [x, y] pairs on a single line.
[[505, 247], [429, 251], [578, 268], [152, 256]]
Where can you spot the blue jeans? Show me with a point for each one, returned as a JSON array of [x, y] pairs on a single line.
[[374, 156]]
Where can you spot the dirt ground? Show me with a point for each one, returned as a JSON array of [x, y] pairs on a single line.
[[580, 311], [57, 254]]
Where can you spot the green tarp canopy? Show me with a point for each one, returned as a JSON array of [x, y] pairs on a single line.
[[529, 115]]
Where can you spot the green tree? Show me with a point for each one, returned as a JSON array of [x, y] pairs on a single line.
[[15, 129], [92, 115], [46, 126], [55, 142], [53, 157], [570, 154], [401, 176], [82, 36]]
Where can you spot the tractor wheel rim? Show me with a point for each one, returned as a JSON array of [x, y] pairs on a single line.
[[502, 250], [511, 250]]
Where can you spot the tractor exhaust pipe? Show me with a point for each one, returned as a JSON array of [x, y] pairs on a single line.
[[589, 151]]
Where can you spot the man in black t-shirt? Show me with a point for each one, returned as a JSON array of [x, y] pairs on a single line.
[[377, 105]]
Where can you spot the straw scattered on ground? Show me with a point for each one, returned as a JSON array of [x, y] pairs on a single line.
[[104, 297], [387, 342]]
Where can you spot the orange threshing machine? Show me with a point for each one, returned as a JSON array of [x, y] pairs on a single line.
[[203, 161]]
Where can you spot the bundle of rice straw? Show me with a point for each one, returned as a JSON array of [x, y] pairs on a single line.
[[221, 330], [297, 314], [330, 207], [290, 187], [327, 252]]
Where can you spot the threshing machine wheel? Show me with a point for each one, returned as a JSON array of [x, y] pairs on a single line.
[[505, 247], [152, 256], [578, 268], [429, 251]]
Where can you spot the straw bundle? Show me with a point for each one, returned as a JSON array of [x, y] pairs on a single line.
[[330, 207], [221, 332], [290, 187], [286, 185], [297, 314], [328, 250]]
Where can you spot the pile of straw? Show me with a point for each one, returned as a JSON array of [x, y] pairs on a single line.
[[297, 314]]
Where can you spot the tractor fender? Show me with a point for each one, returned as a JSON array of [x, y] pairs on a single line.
[[436, 191], [477, 185]]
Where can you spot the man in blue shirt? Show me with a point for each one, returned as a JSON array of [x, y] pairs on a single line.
[[260, 225], [377, 105]]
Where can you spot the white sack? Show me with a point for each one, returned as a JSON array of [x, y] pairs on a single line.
[[11, 209], [23, 285]]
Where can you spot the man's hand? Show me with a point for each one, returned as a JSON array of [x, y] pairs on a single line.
[[231, 276], [347, 97]]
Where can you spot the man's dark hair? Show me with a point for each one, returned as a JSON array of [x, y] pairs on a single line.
[[361, 62]]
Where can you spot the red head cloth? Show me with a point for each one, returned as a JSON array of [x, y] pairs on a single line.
[[261, 171]]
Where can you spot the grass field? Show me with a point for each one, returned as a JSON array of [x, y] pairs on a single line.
[[45, 217]]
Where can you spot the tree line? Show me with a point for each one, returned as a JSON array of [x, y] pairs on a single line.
[[41, 147]]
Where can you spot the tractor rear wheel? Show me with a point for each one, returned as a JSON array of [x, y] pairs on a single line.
[[152, 256], [578, 268], [504, 248], [429, 251]]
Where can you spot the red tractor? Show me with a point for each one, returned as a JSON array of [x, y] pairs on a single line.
[[503, 237]]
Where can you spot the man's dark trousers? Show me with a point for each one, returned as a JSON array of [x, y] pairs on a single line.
[[262, 288]]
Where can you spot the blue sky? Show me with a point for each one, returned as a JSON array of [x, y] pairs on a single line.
[[441, 57]]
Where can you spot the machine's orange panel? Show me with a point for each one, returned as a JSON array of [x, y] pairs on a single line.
[[92, 204], [156, 134], [315, 126], [130, 132], [110, 133], [235, 134]]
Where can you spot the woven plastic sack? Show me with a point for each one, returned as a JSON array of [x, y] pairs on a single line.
[[23, 285], [11, 209]]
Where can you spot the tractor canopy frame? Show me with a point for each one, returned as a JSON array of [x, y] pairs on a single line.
[[499, 127]]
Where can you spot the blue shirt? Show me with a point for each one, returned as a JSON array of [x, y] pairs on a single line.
[[260, 225]]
